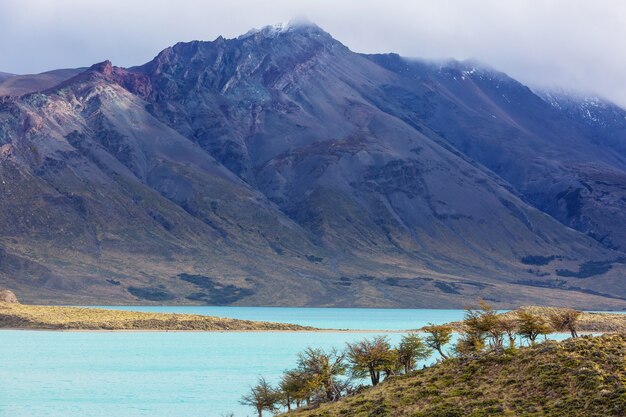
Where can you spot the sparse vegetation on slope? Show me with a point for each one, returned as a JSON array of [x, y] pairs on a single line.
[[583, 376], [483, 335], [76, 318], [585, 322]]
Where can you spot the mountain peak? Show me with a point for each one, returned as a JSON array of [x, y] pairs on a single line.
[[104, 67], [136, 83], [300, 25]]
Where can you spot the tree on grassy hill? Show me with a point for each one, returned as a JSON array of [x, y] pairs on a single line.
[[262, 396], [322, 370], [371, 357], [469, 344], [294, 387], [508, 326], [530, 326], [410, 350], [482, 323], [437, 336], [566, 320]]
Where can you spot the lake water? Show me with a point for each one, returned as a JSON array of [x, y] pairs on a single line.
[[172, 374], [323, 318]]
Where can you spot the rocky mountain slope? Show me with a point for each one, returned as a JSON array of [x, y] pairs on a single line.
[[562, 165], [282, 168]]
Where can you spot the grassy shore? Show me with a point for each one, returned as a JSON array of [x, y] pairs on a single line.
[[20, 316], [587, 322], [580, 377]]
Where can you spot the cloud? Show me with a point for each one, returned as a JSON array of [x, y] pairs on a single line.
[[573, 44]]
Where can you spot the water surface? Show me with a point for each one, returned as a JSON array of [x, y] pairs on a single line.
[[173, 374], [323, 318]]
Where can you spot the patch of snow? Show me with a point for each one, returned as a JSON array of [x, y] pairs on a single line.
[[269, 31], [469, 72], [272, 31]]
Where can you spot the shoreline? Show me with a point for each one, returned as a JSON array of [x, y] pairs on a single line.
[[419, 331], [202, 331], [114, 306], [16, 316]]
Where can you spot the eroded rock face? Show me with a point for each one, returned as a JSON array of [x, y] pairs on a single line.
[[7, 296]]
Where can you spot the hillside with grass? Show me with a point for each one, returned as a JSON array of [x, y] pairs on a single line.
[[489, 364], [14, 315], [583, 376]]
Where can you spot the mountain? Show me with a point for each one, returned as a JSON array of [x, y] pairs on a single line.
[[281, 168], [603, 121], [5, 75], [17, 85], [552, 157]]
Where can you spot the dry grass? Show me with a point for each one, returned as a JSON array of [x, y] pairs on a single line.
[[582, 377], [19, 316]]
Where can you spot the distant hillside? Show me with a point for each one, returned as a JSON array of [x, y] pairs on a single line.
[[17, 85], [282, 168], [583, 377], [5, 75]]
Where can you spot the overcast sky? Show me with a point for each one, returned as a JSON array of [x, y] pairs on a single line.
[[575, 44]]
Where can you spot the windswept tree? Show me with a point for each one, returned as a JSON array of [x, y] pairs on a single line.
[[508, 326], [469, 344], [482, 323], [322, 370], [371, 357], [294, 388], [262, 396], [437, 336], [530, 325], [410, 350], [566, 319]]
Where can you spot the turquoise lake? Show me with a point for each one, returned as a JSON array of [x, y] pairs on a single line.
[[173, 374], [323, 318]]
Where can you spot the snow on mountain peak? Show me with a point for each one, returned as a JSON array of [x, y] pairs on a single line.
[[277, 29]]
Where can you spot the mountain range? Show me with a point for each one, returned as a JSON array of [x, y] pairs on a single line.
[[282, 168]]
